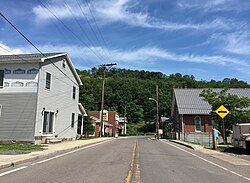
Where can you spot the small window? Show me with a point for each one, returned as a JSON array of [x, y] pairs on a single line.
[[19, 71], [48, 80], [74, 92], [31, 84], [32, 71], [64, 63], [73, 120], [197, 121], [6, 84], [17, 84], [1, 77], [7, 71]]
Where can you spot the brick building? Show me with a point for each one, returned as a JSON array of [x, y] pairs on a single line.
[[110, 119]]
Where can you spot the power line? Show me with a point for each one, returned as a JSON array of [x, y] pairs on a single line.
[[82, 29], [76, 36], [94, 33], [97, 27]]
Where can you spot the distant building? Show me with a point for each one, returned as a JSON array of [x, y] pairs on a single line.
[[190, 113], [110, 118], [123, 125], [39, 95]]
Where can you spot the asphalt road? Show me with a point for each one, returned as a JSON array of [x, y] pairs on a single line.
[[125, 160]]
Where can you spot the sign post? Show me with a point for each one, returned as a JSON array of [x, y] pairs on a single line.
[[222, 111]]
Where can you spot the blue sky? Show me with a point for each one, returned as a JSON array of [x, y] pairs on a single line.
[[209, 39]]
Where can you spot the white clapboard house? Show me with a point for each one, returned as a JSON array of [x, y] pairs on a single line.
[[39, 98]]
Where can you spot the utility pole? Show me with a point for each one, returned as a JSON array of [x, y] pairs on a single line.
[[104, 66]]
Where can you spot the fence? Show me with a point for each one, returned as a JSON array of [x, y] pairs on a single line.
[[204, 139]]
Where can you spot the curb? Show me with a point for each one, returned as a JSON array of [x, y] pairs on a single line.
[[27, 159], [184, 144]]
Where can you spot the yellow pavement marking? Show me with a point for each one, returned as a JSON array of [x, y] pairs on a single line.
[[138, 170], [130, 172]]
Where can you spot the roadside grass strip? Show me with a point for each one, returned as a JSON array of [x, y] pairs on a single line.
[[12, 149]]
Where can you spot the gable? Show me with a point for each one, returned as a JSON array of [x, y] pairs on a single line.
[[188, 101]]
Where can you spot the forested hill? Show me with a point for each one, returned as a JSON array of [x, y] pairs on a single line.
[[129, 90]]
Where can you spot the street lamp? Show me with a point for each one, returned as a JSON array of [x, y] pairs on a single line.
[[157, 112]]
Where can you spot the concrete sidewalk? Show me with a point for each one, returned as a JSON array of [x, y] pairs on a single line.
[[50, 150], [214, 153]]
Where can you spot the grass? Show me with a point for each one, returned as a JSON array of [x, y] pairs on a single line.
[[87, 138], [11, 149]]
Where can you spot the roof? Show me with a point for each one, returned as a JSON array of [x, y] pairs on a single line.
[[31, 58], [22, 58], [82, 110], [188, 100], [97, 120]]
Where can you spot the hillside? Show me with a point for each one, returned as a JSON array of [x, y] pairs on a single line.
[[130, 90]]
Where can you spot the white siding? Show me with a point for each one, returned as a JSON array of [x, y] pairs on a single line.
[[58, 98], [11, 79]]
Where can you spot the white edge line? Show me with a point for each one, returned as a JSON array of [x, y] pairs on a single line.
[[11, 171], [61, 155], [244, 177]]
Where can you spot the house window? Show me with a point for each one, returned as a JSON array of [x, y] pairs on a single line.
[[6, 84], [19, 71], [64, 63], [32, 71], [17, 84], [197, 121], [31, 84], [72, 120], [7, 71], [74, 92], [48, 80], [1, 77], [48, 122], [105, 115]]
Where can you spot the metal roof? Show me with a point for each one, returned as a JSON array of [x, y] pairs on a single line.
[[29, 58], [25, 57], [188, 100]]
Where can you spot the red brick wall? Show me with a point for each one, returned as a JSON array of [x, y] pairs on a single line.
[[111, 120], [189, 125]]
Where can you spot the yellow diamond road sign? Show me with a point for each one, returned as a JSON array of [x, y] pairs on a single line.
[[222, 111]]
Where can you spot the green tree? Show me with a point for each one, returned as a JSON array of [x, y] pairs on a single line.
[[88, 127], [237, 106]]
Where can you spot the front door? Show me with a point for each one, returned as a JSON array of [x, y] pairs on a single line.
[[48, 121]]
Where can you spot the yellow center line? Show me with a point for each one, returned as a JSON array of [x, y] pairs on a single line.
[[138, 170], [130, 172]]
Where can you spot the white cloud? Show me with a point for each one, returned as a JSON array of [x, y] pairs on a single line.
[[6, 50], [238, 43], [109, 11], [214, 5], [145, 56]]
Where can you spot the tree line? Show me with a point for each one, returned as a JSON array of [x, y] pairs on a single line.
[[127, 91]]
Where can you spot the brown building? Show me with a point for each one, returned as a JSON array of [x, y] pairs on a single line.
[[110, 119], [190, 113]]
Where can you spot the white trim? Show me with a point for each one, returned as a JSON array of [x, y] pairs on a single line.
[[46, 81], [69, 63], [82, 109], [53, 127]]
